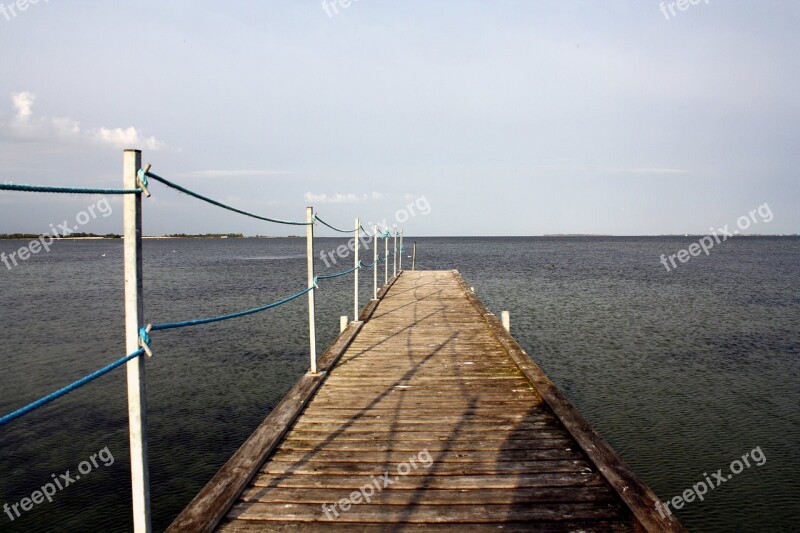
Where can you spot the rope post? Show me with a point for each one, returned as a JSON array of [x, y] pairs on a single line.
[[505, 318], [375, 262], [414, 257], [386, 258], [342, 323], [135, 368], [400, 266], [356, 243], [394, 255], [312, 330]]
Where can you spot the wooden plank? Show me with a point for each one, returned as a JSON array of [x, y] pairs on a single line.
[[369, 309], [393, 422], [595, 526], [383, 290], [403, 418], [406, 433], [454, 405], [430, 433], [395, 458], [595, 493], [563, 479], [427, 514], [384, 446], [451, 469]]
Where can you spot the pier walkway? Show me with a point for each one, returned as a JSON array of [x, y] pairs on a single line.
[[425, 415]]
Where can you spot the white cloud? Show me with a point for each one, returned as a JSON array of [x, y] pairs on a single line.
[[342, 198], [337, 198], [125, 138], [25, 126], [23, 104]]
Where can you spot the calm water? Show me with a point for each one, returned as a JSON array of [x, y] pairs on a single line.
[[682, 373]]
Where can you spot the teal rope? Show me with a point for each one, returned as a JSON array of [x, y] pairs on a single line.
[[316, 217], [188, 323], [69, 388], [220, 204], [331, 276], [64, 190], [366, 232]]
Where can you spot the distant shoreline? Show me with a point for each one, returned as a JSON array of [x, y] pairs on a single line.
[[28, 237], [112, 237]]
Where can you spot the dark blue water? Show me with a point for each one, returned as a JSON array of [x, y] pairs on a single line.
[[681, 372]]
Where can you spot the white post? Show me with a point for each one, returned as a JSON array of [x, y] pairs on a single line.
[[400, 264], [342, 323], [135, 368], [506, 319], [414, 257], [312, 330], [375, 262], [394, 255], [357, 245], [386, 260]]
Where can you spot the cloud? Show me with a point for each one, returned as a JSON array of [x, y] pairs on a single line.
[[27, 127], [338, 198], [342, 198], [23, 104], [125, 138]]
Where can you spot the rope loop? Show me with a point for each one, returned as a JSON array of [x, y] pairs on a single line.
[[144, 339], [141, 179]]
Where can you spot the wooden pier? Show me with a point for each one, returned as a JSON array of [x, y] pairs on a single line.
[[428, 408]]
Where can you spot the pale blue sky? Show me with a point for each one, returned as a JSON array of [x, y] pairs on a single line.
[[509, 117]]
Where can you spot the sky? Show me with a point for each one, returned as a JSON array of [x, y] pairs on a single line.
[[501, 117]]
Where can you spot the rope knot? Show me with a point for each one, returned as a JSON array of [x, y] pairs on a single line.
[[141, 178], [144, 339]]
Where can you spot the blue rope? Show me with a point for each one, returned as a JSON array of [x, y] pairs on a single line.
[[64, 190], [316, 217], [331, 276], [69, 388], [199, 322], [369, 265], [366, 232], [220, 204]]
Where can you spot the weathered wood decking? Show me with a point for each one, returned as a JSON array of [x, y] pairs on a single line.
[[428, 373]]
